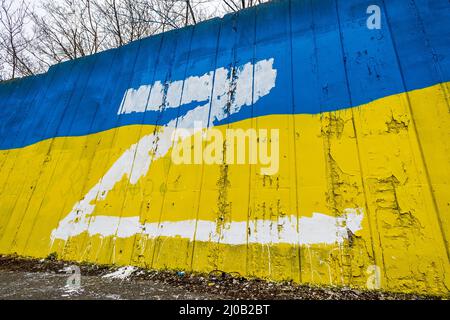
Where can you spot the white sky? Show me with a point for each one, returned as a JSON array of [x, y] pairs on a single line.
[[213, 7]]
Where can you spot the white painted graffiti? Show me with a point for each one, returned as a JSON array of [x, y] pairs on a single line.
[[135, 161], [212, 91]]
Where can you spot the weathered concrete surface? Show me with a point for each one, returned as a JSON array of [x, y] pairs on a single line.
[[43, 286], [361, 195], [50, 279]]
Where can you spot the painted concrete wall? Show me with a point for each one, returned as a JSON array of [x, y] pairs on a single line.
[[362, 194]]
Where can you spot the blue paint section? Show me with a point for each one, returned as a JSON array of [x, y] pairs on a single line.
[[421, 39], [318, 66], [325, 56]]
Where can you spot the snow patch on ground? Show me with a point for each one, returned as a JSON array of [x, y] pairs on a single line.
[[121, 273]]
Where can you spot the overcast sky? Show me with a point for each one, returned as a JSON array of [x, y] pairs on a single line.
[[213, 7]]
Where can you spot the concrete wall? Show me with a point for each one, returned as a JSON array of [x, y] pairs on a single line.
[[362, 193]]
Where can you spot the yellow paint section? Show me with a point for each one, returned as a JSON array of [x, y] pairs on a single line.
[[390, 157]]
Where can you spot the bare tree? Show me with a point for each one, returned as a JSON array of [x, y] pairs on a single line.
[[14, 40], [32, 40], [236, 5], [124, 21], [174, 14], [171, 14], [66, 30]]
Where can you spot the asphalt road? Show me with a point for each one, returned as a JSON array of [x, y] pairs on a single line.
[[26, 278], [49, 285]]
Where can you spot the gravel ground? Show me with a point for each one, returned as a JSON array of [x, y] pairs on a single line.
[[23, 278]]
